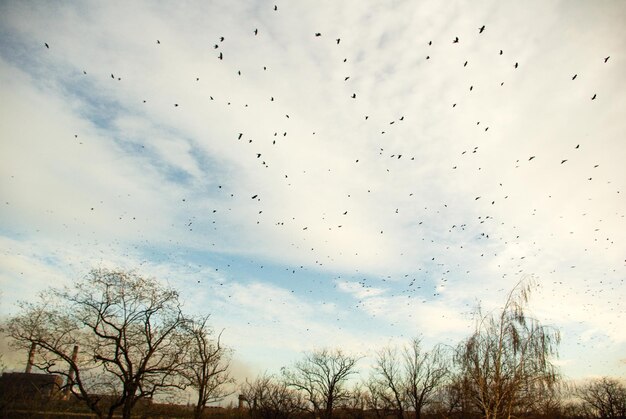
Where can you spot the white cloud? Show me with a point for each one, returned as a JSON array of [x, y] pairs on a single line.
[[171, 186]]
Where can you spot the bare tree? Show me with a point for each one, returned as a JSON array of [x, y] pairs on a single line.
[[507, 360], [452, 399], [321, 376], [270, 398], [206, 367], [128, 329], [604, 398], [389, 381], [376, 400], [408, 379], [425, 373]]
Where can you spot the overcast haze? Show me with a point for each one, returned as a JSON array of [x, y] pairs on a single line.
[[360, 187]]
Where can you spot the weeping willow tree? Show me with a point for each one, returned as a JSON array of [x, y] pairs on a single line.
[[507, 361]]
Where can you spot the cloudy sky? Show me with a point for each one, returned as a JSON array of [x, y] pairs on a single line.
[[324, 173]]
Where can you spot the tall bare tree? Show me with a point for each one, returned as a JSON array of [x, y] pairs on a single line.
[[425, 372], [604, 398], [206, 368], [322, 376], [408, 378], [389, 382], [128, 329], [507, 360]]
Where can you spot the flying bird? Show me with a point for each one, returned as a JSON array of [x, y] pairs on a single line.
[[516, 64], [254, 196], [48, 46], [221, 57], [607, 59], [353, 95], [275, 8], [338, 40], [563, 161], [158, 42], [593, 97], [456, 40], [221, 39], [481, 29], [500, 52], [531, 157], [574, 78], [318, 34]]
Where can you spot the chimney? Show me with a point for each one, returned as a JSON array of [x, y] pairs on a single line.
[[31, 358], [71, 372]]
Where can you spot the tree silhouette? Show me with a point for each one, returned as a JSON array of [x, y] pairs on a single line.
[[128, 329]]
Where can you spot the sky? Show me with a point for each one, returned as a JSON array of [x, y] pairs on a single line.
[[324, 174]]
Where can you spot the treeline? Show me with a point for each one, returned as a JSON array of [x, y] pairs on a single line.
[[118, 340]]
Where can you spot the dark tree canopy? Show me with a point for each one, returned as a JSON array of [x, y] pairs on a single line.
[[604, 398]]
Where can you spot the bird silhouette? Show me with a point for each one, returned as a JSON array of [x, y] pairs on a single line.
[[456, 40], [47, 46], [607, 59], [481, 29], [574, 77], [338, 40], [318, 34], [516, 64], [593, 97], [256, 31]]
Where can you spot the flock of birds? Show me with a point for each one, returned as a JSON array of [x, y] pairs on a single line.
[[430, 276]]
